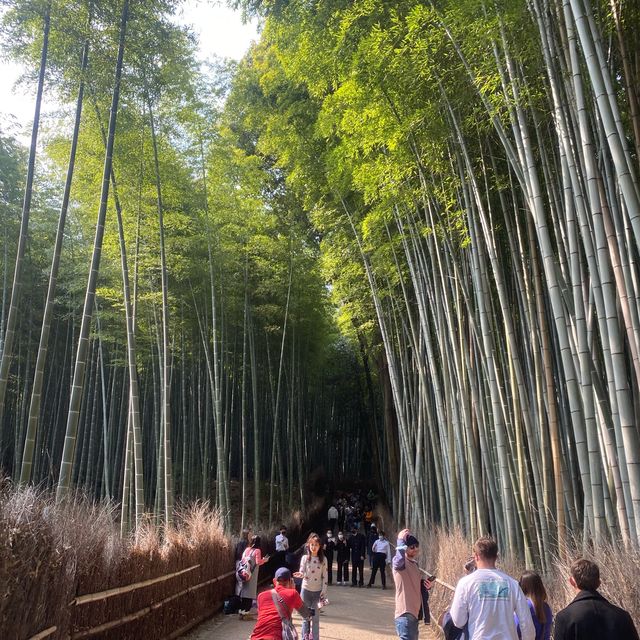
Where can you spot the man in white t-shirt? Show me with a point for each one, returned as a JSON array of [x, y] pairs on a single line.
[[487, 599], [282, 546]]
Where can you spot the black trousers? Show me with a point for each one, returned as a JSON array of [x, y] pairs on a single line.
[[357, 566], [330, 567], [343, 571], [379, 562]]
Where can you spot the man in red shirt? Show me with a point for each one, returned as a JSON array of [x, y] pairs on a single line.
[[269, 624]]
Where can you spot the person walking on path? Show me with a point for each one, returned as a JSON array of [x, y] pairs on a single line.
[[451, 632], [368, 519], [241, 545], [358, 548], [487, 599], [342, 554], [329, 552], [372, 536], [332, 517], [533, 588], [282, 546], [408, 583], [249, 589], [313, 571], [381, 558], [341, 513], [275, 604], [590, 616]]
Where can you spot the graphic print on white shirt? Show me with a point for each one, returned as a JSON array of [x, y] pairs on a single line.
[[493, 590], [487, 599]]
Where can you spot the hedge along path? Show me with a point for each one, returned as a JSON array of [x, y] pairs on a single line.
[[354, 613]]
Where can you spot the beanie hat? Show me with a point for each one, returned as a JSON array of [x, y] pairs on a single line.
[[411, 541]]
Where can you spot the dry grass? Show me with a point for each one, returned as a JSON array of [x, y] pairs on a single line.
[[49, 554], [444, 553], [619, 570]]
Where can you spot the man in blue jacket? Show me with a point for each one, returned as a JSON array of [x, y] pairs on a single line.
[[590, 616]]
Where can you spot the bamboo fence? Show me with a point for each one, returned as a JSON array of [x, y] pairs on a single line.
[[106, 628]]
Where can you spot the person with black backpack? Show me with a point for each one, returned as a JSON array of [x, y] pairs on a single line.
[[275, 607]]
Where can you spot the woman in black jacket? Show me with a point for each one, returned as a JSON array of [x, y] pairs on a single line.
[[342, 551]]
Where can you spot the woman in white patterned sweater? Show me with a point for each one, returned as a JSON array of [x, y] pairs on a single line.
[[314, 574]]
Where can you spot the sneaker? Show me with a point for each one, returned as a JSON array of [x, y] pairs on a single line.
[[368, 586]]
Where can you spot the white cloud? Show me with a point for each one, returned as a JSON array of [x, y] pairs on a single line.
[[220, 31]]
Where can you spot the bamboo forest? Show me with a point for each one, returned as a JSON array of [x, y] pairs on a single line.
[[397, 242]]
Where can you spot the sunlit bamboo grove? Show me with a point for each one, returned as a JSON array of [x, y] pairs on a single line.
[[398, 241], [472, 168], [166, 332]]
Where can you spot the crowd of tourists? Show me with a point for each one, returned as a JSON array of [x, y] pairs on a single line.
[[351, 537], [487, 604]]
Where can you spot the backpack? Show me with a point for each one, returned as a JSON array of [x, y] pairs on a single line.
[[245, 568], [289, 632], [451, 632]]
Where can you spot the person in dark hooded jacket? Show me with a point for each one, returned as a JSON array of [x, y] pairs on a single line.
[[372, 536], [590, 616]]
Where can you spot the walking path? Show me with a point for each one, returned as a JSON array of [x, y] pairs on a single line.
[[354, 613]]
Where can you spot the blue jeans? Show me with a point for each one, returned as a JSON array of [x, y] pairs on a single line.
[[407, 627], [311, 598]]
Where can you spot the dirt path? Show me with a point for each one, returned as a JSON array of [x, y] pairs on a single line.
[[354, 613]]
